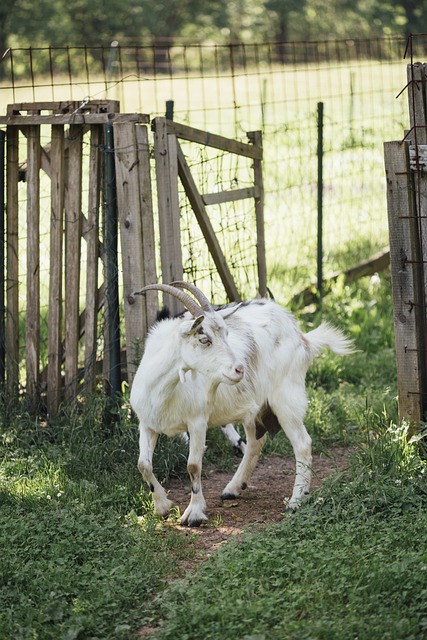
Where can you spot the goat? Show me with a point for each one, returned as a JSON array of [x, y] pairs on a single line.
[[229, 430], [232, 435], [212, 366]]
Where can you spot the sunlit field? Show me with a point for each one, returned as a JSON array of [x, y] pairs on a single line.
[[361, 111]]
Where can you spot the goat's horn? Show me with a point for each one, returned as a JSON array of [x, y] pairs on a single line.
[[200, 297], [183, 297]]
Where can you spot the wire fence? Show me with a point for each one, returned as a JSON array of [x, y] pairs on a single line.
[[274, 87]]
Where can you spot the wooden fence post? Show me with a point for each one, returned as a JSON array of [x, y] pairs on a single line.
[[165, 153], [256, 138], [55, 275], [138, 259], [32, 326], [73, 206], [91, 235], [12, 228], [404, 260]]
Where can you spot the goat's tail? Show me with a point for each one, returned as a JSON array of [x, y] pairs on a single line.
[[327, 336]]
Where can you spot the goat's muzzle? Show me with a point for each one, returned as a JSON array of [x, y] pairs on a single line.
[[235, 375]]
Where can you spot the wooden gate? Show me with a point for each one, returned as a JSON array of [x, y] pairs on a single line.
[[171, 164], [70, 258], [72, 126]]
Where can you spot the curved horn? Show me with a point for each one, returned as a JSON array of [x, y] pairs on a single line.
[[183, 297], [200, 297]]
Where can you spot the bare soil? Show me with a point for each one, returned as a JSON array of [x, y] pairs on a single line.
[[260, 504]]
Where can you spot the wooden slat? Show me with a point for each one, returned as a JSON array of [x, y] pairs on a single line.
[[403, 250], [206, 226], [78, 118], [416, 98], [418, 119], [69, 106], [12, 226], [256, 138], [91, 236], [32, 325], [55, 275], [73, 205], [230, 196], [169, 216], [128, 200], [147, 221], [211, 140], [375, 264]]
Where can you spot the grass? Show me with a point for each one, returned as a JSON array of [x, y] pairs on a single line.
[[352, 564], [84, 557]]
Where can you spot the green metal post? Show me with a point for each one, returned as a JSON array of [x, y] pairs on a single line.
[[2, 258], [112, 270], [320, 198]]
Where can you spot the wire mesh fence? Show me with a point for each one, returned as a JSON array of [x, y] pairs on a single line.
[[274, 87]]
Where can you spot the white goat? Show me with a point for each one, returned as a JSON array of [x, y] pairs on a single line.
[[239, 363], [232, 435]]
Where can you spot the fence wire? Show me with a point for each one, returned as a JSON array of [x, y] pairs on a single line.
[[274, 87]]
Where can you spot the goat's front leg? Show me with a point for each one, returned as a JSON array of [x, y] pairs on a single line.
[[194, 514], [250, 458], [147, 444]]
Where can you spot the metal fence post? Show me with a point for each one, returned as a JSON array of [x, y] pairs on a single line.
[[112, 271], [320, 199], [2, 257]]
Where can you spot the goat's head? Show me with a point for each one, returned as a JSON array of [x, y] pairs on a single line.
[[204, 343]]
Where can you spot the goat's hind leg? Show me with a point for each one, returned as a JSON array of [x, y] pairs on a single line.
[[290, 410], [250, 458], [147, 443]]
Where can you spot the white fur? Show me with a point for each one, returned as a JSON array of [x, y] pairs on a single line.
[[199, 373]]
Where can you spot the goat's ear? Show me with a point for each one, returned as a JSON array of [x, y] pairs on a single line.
[[197, 322], [228, 311]]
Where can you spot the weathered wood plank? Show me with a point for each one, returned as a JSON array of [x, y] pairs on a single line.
[[375, 264], [73, 206], [147, 221], [169, 215], [129, 206], [418, 118], [12, 227], [32, 325], [211, 139], [78, 118], [403, 250], [55, 275], [91, 235], [256, 139], [68, 106], [230, 196], [206, 226]]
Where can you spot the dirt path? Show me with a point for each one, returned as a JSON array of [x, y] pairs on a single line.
[[260, 504]]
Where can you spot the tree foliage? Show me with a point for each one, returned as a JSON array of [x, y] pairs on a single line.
[[25, 23]]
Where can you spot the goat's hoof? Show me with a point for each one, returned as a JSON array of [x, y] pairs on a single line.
[[229, 496], [290, 509], [192, 523]]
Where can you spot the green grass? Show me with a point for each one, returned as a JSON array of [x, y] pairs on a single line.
[[76, 560], [352, 564], [84, 557]]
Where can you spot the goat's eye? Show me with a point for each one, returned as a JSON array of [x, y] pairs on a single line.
[[205, 340]]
